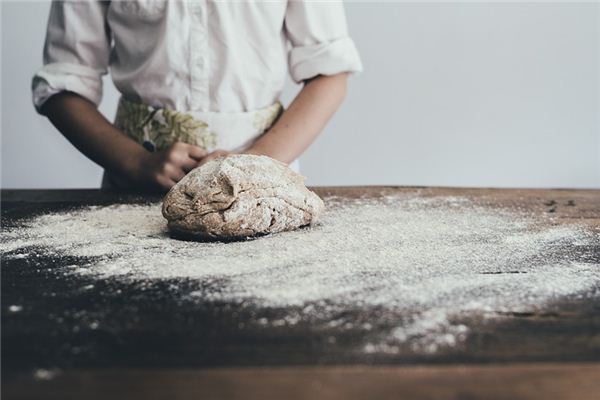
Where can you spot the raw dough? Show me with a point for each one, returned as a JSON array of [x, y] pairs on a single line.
[[240, 196]]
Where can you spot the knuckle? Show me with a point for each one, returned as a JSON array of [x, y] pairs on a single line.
[[174, 157], [172, 151], [179, 146]]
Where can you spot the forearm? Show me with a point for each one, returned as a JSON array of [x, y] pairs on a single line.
[[87, 129], [305, 118]]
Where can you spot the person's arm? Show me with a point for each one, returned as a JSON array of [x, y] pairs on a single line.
[[86, 128], [305, 118], [301, 123], [68, 89], [321, 55]]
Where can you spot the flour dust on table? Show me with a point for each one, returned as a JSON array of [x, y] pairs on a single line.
[[420, 266]]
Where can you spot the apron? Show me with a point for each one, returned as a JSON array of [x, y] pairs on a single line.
[[158, 128]]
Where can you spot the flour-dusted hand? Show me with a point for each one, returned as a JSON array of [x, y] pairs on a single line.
[[163, 169], [239, 196]]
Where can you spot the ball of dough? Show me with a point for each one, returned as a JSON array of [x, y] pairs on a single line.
[[240, 196]]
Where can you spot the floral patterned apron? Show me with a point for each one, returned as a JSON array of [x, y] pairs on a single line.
[[157, 128]]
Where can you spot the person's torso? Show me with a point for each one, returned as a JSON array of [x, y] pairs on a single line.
[[225, 56]]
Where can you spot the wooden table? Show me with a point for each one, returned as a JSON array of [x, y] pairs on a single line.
[[162, 349]]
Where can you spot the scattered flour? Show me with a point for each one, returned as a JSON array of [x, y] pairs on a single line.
[[45, 374], [422, 263], [14, 308]]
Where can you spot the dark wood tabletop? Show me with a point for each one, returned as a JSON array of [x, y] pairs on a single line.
[[158, 347]]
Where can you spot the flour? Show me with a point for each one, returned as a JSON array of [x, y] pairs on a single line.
[[422, 265]]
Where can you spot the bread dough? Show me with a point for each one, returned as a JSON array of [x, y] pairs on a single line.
[[240, 196]]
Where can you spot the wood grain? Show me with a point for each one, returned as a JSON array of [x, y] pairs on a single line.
[[157, 347], [491, 382]]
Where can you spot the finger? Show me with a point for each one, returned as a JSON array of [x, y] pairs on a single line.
[[165, 183], [196, 152], [174, 172], [204, 161], [188, 164], [170, 171], [215, 154], [208, 158]]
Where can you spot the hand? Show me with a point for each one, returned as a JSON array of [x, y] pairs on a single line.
[[215, 154], [163, 169]]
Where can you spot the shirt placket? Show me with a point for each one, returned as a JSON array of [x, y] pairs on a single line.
[[199, 96]]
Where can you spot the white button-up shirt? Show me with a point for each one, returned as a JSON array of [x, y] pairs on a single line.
[[202, 55]]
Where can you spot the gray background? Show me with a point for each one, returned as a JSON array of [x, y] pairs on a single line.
[[453, 94]]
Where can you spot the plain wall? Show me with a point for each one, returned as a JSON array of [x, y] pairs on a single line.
[[453, 94]]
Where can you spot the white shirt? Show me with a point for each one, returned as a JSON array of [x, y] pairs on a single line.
[[203, 55]]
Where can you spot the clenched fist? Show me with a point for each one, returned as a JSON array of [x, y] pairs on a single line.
[[163, 169]]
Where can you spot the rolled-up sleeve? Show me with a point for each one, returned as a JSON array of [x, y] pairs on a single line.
[[320, 43], [76, 51]]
